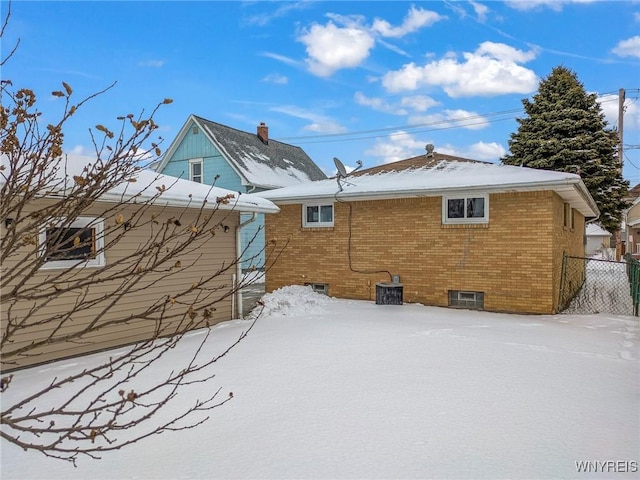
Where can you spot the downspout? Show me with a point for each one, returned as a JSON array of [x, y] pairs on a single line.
[[238, 296], [238, 275]]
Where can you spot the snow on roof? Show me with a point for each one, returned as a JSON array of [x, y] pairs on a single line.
[[268, 165], [595, 230], [173, 191], [441, 178]]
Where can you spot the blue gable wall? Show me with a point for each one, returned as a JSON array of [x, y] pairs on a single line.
[[199, 146]]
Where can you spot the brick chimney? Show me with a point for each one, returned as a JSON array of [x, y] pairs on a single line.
[[263, 133]]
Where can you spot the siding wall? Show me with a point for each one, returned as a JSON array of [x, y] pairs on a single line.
[[211, 253], [252, 242], [515, 259], [198, 146]]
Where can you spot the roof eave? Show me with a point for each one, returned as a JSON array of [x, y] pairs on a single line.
[[239, 206], [591, 210], [176, 141]]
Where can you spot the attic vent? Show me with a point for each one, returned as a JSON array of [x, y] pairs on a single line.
[[194, 130]]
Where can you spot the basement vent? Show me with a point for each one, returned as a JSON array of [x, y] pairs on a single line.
[[466, 299], [322, 288]]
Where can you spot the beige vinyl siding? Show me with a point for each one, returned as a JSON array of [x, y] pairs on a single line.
[[212, 254]]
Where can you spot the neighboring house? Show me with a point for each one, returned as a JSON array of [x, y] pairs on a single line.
[[628, 234], [456, 232], [632, 229], [597, 239], [179, 204], [211, 153]]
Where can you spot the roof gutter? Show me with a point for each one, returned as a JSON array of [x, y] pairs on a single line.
[[506, 187]]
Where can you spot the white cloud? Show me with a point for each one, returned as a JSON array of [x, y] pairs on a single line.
[[556, 5], [152, 63], [393, 48], [330, 48], [631, 117], [492, 69], [325, 127], [82, 150], [403, 145], [631, 120], [416, 103], [318, 123], [346, 41], [451, 119], [276, 78], [398, 146], [415, 19], [281, 58], [378, 104], [282, 10], [481, 11], [501, 51], [628, 48], [419, 103], [488, 152]]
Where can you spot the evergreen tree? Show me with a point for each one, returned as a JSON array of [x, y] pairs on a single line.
[[565, 130]]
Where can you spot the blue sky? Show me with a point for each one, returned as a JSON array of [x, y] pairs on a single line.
[[365, 80]]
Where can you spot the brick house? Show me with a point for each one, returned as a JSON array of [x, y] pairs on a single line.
[[457, 232], [631, 233]]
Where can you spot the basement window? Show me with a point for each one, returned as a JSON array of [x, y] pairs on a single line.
[[317, 215], [78, 244], [322, 288], [466, 299], [467, 209]]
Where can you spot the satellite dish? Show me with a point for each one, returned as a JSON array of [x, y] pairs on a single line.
[[342, 172]]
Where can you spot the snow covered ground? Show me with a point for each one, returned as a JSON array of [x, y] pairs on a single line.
[[327, 388]]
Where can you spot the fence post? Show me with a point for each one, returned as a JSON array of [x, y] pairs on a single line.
[[633, 272], [636, 286]]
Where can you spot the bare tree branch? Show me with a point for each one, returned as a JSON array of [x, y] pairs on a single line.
[[99, 255]]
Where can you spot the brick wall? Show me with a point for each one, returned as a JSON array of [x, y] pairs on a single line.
[[515, 259]]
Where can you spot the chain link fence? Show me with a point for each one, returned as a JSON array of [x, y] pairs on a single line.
[[596, 285]]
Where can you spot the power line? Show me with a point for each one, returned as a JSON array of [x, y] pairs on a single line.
[[397, 134], [444, 124], [409, 127]]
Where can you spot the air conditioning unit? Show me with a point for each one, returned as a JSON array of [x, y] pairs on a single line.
[[388, 293]]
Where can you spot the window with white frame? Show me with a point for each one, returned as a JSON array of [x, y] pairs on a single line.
[[79, 243], [465, 209], [195, 170], [320, 215]]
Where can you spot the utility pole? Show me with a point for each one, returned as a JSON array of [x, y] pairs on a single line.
[[621, 95]]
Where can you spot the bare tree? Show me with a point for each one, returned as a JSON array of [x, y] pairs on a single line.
[[156, 284]]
